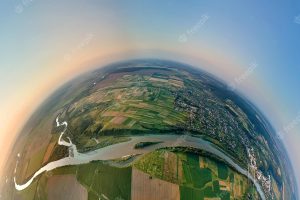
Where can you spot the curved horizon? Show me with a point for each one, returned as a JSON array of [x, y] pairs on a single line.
[[251, 46]]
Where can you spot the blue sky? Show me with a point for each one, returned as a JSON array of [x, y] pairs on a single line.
[[35, 36]]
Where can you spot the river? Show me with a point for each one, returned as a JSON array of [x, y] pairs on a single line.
[[127, 148]]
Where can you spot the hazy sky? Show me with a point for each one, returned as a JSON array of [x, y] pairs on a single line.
[[253, 45]]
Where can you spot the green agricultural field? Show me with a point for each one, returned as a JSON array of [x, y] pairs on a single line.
[[110, 181], [199, 176], [222, 171], [152, 163], [141, 145], [134, 104], [90, 144], [101, 179], [190, 193]]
